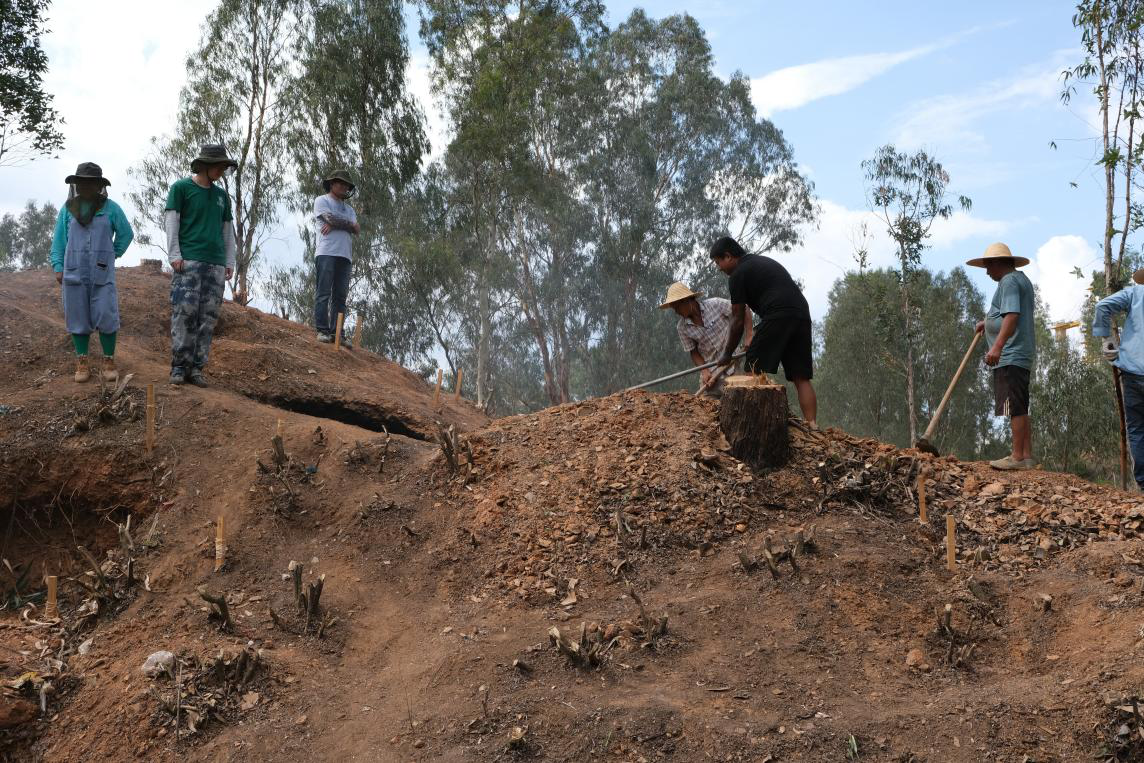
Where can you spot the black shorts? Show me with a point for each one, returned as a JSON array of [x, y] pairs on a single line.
[[1011, 391], [785, 340]]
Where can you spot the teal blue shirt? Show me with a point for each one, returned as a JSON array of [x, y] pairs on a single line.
[[121, 233], [1014, 295]]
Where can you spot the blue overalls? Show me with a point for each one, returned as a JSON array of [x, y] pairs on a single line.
[[91, 302]]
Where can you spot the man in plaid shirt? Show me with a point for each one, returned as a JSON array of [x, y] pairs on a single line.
[[702, 327]]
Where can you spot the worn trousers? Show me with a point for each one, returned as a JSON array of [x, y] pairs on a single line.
[[333, 288], [1133, 386], [196, 301]]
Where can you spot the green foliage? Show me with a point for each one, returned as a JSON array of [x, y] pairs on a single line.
[[861, 371], [239, 92], [26, 239], [1074, 413], [909, 193], [29, 125]]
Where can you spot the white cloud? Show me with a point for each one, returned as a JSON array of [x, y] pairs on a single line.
[[1051, 270], [796, 86], [961, 226], [950, 122], [827, 253]]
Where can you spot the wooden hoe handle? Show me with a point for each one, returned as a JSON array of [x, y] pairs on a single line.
[[953, 383]]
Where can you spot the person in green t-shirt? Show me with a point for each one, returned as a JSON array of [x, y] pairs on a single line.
[[201, 250], [1008, 329]]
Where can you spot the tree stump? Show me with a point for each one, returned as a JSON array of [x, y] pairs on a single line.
[[754, 421]]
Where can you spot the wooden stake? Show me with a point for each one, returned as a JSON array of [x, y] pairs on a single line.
[[51, 611], [437, 392], [922, 498], [149, 432], [338, 334], [279, 430], [357, 333], [220, 544], [950, 543], [460, 376]]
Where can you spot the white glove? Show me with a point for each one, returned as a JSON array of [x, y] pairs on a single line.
[[1110, 350]]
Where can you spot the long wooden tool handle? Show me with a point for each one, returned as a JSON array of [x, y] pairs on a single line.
[[953, 383]]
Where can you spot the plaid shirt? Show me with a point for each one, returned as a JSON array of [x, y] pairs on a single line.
[[710, 338]]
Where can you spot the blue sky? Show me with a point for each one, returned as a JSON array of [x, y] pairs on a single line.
[[976, 84]]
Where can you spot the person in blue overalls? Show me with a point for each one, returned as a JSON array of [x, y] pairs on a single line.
[[91, 233]]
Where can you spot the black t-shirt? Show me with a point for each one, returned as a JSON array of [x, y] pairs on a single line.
[[767, 288]]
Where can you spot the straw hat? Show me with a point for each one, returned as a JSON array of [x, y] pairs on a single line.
[[678, 292], [997, 252]]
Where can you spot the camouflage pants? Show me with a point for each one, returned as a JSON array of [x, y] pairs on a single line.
[[196, 299]]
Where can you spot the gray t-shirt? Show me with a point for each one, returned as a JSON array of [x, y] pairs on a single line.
[[1014, 295], [337, 242]]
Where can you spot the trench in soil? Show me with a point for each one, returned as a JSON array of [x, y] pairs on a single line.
[[358, 414]]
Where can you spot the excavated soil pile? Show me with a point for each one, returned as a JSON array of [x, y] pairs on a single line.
[[597, 581]]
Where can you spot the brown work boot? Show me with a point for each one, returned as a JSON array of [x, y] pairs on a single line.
[[109, 373], [82, 369]]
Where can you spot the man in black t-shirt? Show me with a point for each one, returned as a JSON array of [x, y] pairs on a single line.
[[783, 332]]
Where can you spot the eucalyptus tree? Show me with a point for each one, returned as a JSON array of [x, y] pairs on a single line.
[[29, 124], [909, 193], [355, 111], [676, 155], [26, 238], [1113, 66], [240, 91], [493, 61], [861, 365]]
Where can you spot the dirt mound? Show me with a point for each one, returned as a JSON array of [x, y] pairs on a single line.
[[601, 580]]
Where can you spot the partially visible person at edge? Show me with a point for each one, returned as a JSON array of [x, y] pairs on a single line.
[[336, 224], [783, 332], [1128, 356], [702, 330], [1008, 328], [201, 249], [91, 234]]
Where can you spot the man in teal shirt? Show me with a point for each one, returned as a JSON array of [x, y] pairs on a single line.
[[201, 249], [1012, 347]]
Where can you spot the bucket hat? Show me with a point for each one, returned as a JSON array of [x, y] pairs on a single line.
[[342, 175], [678, 292], [995, 253], [212, 153], [87, 171]]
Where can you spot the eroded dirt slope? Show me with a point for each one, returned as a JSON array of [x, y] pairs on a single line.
[[441, 586]]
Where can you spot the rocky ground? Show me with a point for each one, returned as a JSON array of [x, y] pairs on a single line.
[[601, 580]]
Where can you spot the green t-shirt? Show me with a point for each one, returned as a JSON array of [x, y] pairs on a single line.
[[1014, 295], [202, 212]]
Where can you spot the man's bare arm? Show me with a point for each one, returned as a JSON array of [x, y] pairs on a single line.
[[734, 333]]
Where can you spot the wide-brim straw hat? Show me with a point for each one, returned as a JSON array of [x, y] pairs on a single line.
[[996, 253], [342, 175], [87, 171], [678, 292]]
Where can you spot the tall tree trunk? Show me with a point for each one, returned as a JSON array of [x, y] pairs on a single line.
[[911, 403], [486, 330]]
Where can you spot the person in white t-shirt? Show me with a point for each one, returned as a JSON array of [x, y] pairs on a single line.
[[335, 224]]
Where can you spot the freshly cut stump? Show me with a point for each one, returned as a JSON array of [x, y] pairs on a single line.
[[754, 421]]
